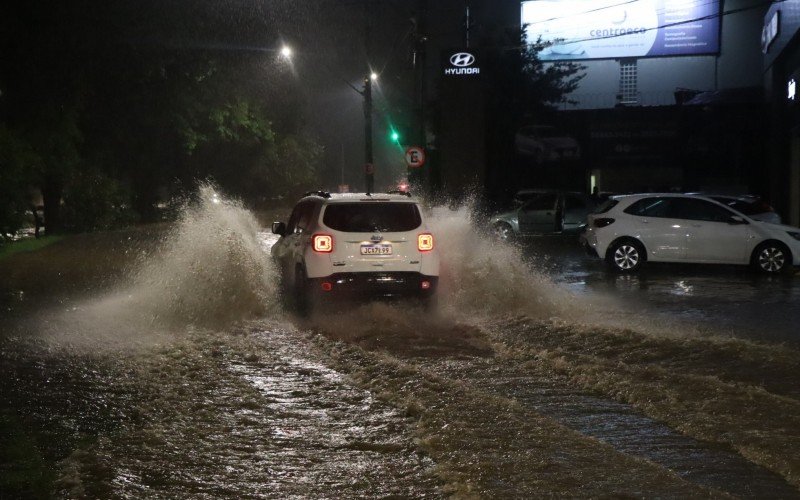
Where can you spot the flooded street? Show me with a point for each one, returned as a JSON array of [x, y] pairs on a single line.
[[714, 299], [174, 372]]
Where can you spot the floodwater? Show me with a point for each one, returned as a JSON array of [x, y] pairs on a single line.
[[160, 364]]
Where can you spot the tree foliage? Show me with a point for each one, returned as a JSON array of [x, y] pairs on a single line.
[[525, 90], [17, 162], [119, 107]]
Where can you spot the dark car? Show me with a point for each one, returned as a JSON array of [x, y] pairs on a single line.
[[544, 213]]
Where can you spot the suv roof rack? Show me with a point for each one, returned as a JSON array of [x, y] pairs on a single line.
[[397, 191], [323, 194]]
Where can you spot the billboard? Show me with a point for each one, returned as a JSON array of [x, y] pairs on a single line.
[[613, 29]]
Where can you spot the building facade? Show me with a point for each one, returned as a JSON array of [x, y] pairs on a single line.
[[781, 48]]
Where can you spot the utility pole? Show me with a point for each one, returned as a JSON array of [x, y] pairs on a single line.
[[369, 167], [415, 175], [467, 25]]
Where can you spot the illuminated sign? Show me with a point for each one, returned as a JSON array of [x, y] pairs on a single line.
[[612, 29], [461, 63]]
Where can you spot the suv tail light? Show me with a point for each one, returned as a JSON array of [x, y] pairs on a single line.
[[603, 222], [425, 242], [322, 243]]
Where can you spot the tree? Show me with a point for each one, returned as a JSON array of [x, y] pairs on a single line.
[[17, 162], [523, 88], [127, 100]]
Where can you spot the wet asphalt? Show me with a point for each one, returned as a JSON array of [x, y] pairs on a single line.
[[722, 300]]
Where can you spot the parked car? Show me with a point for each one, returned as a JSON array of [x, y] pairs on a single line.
[[358, 246], [545, 144], [750, 205], [628, 231], [543, 213]]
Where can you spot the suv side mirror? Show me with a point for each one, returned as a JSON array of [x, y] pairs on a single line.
[[279, 228]]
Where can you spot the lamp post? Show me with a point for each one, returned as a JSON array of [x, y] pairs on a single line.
[[369, 167]]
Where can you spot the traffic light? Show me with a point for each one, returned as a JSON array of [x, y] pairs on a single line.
[[394, 135]]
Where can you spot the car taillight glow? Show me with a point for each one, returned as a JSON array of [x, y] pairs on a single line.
[[603, 222], [425, 284], [425, 242], [322, 243]]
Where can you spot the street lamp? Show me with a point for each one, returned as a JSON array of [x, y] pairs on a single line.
[[369, 168], [286, 52]]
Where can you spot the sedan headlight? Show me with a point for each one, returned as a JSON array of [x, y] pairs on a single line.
[[794, 235]]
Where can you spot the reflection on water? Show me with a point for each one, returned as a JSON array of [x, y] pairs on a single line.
[[704, 299]]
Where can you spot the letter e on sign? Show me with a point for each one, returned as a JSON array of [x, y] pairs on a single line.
[[415, 157]]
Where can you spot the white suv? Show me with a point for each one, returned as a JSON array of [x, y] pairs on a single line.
[[356, 245]]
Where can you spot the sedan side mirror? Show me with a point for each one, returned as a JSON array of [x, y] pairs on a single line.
[[279, 228], [736, 220]]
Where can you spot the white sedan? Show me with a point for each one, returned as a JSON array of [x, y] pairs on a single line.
[[628, 231]]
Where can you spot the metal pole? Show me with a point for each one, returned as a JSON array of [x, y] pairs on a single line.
[[467, 23], [369, 168], [415, 176]]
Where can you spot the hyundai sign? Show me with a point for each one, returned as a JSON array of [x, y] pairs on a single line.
[[612, 29], [461, 62]]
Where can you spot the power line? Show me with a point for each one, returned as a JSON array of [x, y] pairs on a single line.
[[582, 13]]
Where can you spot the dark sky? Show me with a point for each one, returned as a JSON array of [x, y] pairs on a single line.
[[336, 43]]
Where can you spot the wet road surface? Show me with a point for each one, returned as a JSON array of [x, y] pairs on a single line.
[[182, 377], [719, 299]]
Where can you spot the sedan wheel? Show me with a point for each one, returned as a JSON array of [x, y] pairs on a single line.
[[625, 256], [503, 231], [771, 258]]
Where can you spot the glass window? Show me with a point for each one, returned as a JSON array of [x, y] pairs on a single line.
[[651, 207], [543, 202], [692, 209], [301, 217], [290, 227], [372, 217], [606, 206], [306, 215]]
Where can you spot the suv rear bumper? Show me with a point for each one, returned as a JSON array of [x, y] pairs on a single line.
[[376, 284]]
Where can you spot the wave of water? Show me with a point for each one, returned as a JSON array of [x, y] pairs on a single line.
[[210, 269]]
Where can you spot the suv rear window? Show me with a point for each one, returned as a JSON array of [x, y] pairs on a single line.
[[372, 217]]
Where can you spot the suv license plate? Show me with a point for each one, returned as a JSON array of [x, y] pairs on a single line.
[[381, 249]]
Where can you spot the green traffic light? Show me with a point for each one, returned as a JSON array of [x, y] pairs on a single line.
[[395, 136]]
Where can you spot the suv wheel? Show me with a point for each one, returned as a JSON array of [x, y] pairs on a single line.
[[625, 256], [772, 258]]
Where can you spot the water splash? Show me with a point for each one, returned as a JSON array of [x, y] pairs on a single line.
[[485, 276], [212, 269]]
